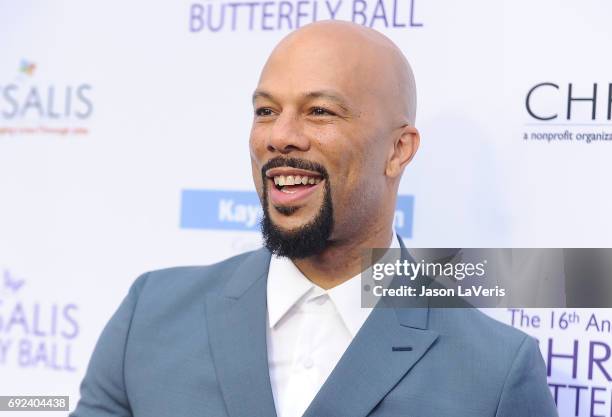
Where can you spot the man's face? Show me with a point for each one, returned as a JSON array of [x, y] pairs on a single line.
[[316, 122]]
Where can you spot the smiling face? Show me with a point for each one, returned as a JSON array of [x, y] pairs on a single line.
[[324, 133]]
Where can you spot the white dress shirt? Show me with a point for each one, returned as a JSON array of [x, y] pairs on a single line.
[[309, 329]]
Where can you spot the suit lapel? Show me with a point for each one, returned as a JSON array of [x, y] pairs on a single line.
[[237, 321], [391, 341], [389, 344], [380, 355]]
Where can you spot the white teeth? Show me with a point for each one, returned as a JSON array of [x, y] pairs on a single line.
[[282, 180]]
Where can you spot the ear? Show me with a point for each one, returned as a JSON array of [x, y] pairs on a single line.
[[404, 147]]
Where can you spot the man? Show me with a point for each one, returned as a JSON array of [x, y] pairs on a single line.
[[263, 335]]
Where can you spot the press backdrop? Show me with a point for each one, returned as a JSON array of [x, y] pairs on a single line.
[[124, 148]]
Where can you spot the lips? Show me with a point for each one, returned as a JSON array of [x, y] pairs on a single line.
[[292, 186]]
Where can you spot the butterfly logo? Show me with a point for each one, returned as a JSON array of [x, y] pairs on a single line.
[[27, 67], [11, 282]]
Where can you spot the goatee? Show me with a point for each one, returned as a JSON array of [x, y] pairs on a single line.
[[307, 240]]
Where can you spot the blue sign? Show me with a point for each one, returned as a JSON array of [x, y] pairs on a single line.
[[220, 210], [241, 210], [404, 215]]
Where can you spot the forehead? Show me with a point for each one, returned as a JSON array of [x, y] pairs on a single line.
[[297, 67]]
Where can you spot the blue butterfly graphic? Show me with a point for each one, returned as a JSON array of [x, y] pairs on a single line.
[[11, 282]]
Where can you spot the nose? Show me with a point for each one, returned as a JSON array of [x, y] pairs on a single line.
[[287, 135]]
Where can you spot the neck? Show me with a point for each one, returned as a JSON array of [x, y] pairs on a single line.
[[342, 259]]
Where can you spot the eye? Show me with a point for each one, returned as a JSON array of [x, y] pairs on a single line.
[[321, 111], [263, 111]]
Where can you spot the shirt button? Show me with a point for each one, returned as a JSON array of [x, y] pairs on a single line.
[[321, 300], [308, 363]]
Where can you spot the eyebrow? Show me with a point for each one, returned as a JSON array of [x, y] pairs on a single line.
[[263, 94], [327, 94]]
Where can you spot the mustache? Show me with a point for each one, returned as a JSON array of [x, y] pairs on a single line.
[[291, 162]]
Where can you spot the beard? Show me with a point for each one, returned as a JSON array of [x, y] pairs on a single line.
[[307, 240]]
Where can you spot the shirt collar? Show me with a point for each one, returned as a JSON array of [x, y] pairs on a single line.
[[347, 298], [287, 285]]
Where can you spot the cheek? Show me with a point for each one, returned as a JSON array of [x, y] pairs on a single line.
[[257, 152], [257, 180], [356, 185], [256, 141], [348, 180], [345, 158]]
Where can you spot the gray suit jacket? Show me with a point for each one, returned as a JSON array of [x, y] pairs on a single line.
[[191, 341]]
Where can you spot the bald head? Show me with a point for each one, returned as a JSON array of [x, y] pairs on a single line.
[[375, 64], [334, 109]]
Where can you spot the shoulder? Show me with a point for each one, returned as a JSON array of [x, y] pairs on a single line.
[[184, 283], [474, 335], [473, 324]]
